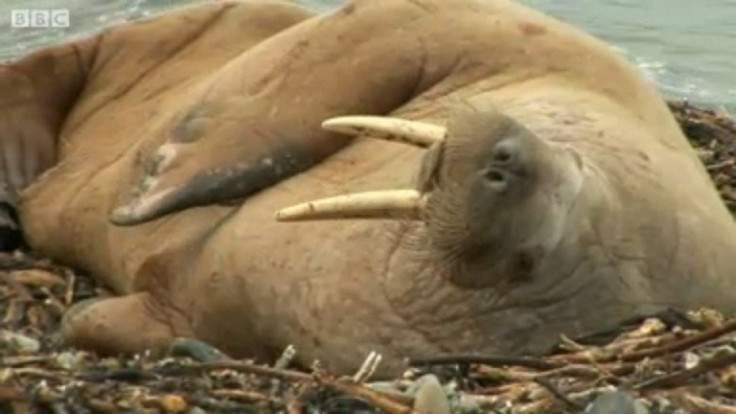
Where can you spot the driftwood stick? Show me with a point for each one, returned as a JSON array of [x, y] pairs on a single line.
[[683, 344], [13, 394], [679, 378], [19, 361], [557, 393], [249, 368], [383, 402], [695, 404], [590, 356], [241, 395], [462, 359]]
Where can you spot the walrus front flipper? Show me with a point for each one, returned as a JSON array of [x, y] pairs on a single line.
[[127, 324], [229, 163], [158, 196]]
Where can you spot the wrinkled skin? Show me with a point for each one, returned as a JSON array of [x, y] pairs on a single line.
[[564, 200]]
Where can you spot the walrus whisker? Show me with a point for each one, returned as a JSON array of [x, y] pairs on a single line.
[[420, 134], [385, 204]]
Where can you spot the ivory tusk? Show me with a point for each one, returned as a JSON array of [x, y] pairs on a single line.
[[388, 204], [421, 134]]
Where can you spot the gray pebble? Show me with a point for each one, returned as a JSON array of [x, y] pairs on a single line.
[[19, 343], [197, 350], [616, 402]]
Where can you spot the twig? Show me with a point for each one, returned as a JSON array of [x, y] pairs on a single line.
[[680, 377], [577, 370], [217, 406], [696, 404], [36, 278], [683, 344], [13, 262], [38, 372], [721, 165], [489, 372], [52, 300], [604, 356], [248, 368], [17, 361], [546, 384], [287, 356], [374, 397], [241, 395], [527, 362], [368, 368], [49, 397], [69, 294]]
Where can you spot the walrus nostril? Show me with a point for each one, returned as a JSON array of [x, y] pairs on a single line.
[[504, 153], [494, 175], [496, 179]]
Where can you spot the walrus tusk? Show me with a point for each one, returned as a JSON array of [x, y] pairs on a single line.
[[421, 134], [387, 204]]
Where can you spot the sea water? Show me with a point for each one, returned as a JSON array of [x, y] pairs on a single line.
[[688, 48]]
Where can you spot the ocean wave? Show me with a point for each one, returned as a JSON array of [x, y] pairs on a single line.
[[678, 85]]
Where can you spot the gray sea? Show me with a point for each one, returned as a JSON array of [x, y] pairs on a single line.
[[687, 47]]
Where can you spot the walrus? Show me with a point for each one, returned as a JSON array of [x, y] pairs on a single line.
[[411, 177]]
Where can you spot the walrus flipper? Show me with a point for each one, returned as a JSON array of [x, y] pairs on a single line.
[[124, 324], [206, 175]]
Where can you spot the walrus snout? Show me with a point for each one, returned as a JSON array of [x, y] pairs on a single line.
[[505, 165], [514, 151]]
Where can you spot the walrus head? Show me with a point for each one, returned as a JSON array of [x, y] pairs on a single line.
[[492, 197]]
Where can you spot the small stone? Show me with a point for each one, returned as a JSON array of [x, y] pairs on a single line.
[[691, 360], [197, 350], [172, 403], [109, 363], [616, 402], [430, 397], [19, 343], [70, 361]]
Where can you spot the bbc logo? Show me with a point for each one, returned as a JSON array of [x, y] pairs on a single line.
[[39, 18]]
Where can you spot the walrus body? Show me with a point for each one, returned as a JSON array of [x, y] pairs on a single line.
[[563, 200]]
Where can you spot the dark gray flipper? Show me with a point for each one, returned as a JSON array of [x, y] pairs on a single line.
[[212, 185]]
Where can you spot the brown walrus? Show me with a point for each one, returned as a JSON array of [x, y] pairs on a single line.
[[542, 186]]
